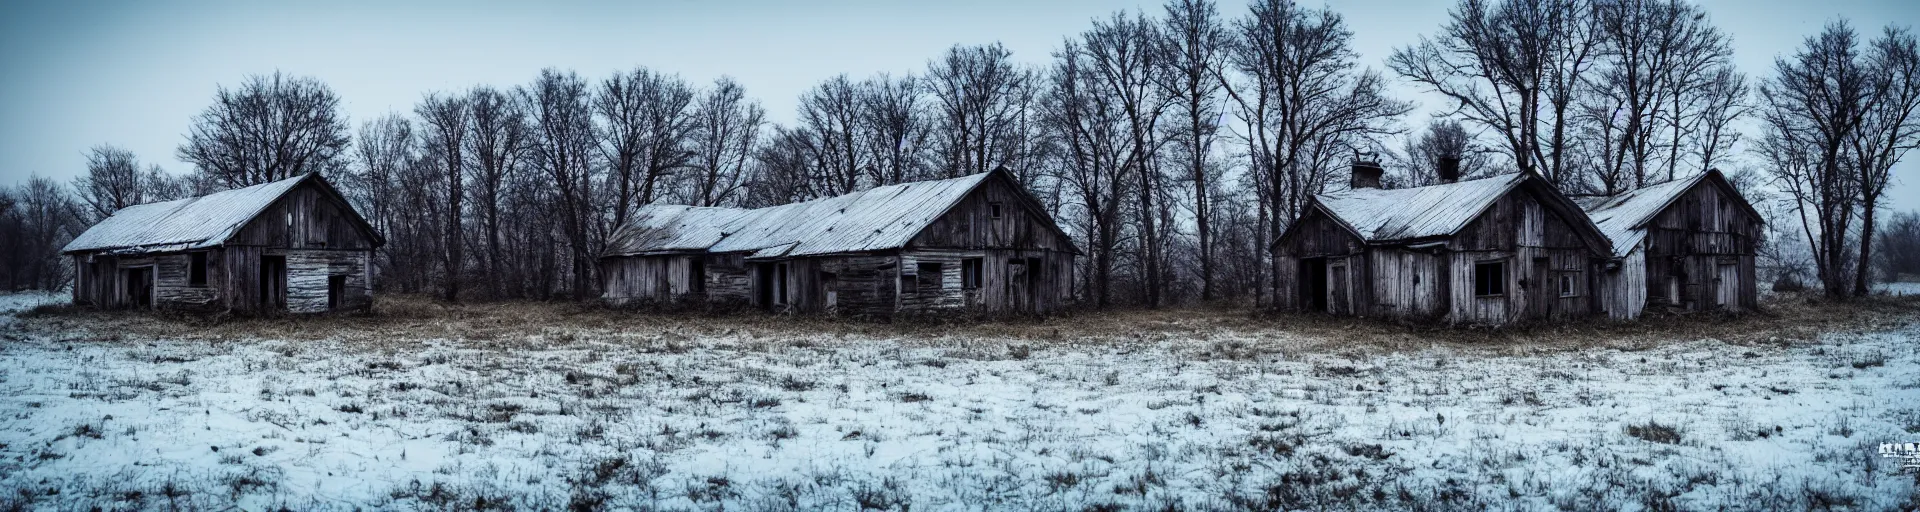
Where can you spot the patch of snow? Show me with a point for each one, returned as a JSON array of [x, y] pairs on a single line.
[[1223, 420]]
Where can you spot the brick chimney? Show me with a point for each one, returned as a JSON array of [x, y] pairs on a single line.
[[1449, 170], [1366, 173]]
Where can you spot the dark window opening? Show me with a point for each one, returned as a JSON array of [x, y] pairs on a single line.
[[993, 210], [336, 291], [1490, 278], [697, 276], [970, 270], [930, 277], [1570, 283], [197, 269]]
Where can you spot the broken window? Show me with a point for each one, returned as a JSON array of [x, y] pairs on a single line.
[[197, 268], [1490, 278], [970, 270], [1570, 283], [993, 210]]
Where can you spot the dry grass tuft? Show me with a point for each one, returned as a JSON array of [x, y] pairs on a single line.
[[400, 321]]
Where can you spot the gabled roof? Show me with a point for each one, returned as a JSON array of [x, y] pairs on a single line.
[[191, 223], [1622, 217], [880, 218], [1381, 216]]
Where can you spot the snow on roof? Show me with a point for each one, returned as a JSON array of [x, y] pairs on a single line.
[[1620, 217], [181, 224], [1381, 215], [879, 218]]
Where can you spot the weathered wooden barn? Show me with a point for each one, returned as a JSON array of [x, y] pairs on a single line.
[[292, 245], [1490, 251], [977, 243], [1684, 245]]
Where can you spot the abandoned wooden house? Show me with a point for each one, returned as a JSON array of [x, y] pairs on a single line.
[[977, 243], [1684, 245], [292, 245], [1490, 251]]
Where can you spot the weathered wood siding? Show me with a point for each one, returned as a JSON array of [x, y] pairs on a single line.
[[1687, 243], [1314, 235], [1433, 279], [971, 224], [1010, 281], [627, 279], [310, 228], [1623, 291], [1538, 246]]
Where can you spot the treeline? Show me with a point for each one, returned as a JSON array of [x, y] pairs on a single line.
[[1174, 145]]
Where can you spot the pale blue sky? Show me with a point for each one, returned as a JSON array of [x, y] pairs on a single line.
[[83, 73]]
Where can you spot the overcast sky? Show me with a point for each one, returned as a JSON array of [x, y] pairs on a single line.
[[82, 73]]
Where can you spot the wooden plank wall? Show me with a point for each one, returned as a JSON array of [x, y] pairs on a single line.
[[308, 271], [629, 279], [308, 226], [1315, 235], [970, 225], [1705, 228], [1538, 246]]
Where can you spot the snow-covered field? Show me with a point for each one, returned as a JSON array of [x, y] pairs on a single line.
[[1215, 418]]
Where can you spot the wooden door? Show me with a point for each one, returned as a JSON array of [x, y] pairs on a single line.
[[1339, 299], [1019, 297], [1727, 287], [140, 287], [273, 282]]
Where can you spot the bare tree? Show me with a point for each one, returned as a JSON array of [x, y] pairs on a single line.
[[976, 91], [725, 134], [896, 128], [386, 148], [647, 119], [562, 147], [1196, 44], [831, 128], [113, 181], [270, 128], [1889, 126], [496, 143], [1304, 101], [1899, 246], [1812, 107], [37, 218], [1093, 130], [1514, 67], [1442, 139], [447, 120], [1123, 55]]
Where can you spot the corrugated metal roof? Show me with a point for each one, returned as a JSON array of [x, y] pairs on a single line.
[[1381, 215], [1621, 217], [192, 223], [880, 218]]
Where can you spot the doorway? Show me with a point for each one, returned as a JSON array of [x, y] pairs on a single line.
[[336, 292], [139, 288], [1338, 300], [273, 282], [770, 285], [1727, 288], [1313, 284]]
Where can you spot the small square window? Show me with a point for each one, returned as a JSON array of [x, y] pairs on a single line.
[[1490, 278], [1570, 283], [994, 210]]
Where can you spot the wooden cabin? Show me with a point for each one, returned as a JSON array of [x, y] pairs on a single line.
[[293, 245], [1491, 251], [978, 243], [1685, 245]]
